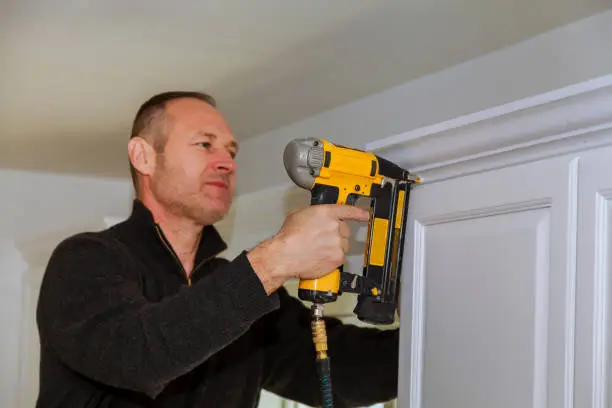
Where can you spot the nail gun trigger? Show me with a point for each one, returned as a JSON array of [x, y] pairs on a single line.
[[354, 282], [351, 199]]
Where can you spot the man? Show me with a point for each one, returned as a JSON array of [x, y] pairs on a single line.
[[145, 313]]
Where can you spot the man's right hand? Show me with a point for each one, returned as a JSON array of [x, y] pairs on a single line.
[[311, 243]]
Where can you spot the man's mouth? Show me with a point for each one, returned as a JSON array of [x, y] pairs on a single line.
[[218, 183]]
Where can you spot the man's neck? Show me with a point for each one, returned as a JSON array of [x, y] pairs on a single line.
[[183, 234]]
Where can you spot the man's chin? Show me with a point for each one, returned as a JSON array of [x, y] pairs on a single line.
[[214, 214]]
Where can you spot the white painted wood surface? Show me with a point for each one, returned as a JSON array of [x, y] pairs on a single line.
[[593, 342], [509, 299], [493, 273], [505, 296]]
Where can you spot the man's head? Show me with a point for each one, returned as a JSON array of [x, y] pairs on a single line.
[[181, 154]]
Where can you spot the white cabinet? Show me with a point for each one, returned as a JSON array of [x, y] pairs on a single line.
[[505, 298]]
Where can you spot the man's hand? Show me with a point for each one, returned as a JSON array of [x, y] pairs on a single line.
[[311, 243]]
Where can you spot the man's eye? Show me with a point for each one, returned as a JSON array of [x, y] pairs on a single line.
[[204, 144]]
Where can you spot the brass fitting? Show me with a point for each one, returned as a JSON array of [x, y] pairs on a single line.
[[319, 335]]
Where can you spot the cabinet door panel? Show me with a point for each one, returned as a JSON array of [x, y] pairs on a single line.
[[487, 304], [593, 319]]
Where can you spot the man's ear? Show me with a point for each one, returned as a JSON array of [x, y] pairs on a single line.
[[142, 155]]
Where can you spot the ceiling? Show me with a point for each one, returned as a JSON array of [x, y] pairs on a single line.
[[72, 73]]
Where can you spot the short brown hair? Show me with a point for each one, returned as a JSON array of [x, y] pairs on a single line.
[[149, 118]]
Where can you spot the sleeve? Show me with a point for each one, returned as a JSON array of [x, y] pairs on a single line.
[[364, 360], [92, 315]]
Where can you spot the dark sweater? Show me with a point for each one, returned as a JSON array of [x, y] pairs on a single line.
[[121, 326]]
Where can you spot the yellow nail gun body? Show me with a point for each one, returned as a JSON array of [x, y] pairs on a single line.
[[337, 174]]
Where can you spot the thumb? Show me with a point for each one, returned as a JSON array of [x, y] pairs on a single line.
[[351, 212]]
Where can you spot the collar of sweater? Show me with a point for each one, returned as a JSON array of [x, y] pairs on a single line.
[[142, 226]]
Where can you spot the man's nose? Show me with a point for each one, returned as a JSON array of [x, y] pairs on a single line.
[[224, 162]]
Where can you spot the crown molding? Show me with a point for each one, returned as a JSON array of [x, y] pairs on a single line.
[[566, 120]]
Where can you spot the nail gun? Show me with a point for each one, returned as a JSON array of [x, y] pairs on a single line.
[[337, 174]]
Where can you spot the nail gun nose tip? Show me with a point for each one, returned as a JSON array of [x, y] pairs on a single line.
[[413, 178]]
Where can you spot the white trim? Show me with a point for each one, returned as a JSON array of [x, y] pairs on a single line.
[[492, 113], [571, 282], [601, 301], [557, 122]]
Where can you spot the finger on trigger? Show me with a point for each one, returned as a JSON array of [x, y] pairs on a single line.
[[351, 212]]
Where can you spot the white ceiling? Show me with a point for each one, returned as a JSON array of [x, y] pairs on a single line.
[[74, 72]]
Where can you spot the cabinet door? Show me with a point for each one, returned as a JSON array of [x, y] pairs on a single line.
[[487, 299], [593, 321]]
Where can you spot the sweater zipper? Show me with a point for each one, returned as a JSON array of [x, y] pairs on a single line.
[[169, 248]]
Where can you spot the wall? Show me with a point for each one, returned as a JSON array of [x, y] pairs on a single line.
[[13, 267], [34, 204], [36, 211], [567, 55]]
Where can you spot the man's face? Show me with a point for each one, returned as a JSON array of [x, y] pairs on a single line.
[[194, 177]]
